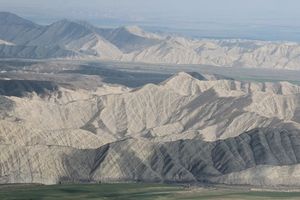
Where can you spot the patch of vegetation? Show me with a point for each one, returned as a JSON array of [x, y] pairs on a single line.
[[133, 192]]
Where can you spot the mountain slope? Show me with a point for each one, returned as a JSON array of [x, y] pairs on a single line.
[[96, 46], [170, 50], [34, 52], [130, 39], [132, 44], [196, 160], [58, 40], [231, 53], [60, 33], [16, 29], [182, 130]]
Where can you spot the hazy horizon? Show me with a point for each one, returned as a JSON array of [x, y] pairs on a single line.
[[256, 19]]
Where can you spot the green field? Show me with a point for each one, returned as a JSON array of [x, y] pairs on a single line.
[[133, 192]]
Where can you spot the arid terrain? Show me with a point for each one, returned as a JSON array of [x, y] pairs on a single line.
[[67, 121], [91, 112], [69, 39]]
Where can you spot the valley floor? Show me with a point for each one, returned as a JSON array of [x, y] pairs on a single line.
[[136, 191]]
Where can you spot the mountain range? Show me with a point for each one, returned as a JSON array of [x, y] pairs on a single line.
[[80, 121], [65, 39], [190, 128]]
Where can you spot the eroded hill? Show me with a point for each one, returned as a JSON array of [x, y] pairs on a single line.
[[189, 128]]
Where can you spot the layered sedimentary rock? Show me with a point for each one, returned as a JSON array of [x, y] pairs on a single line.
[[189, 128]]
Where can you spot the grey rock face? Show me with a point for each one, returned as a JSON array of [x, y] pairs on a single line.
[[197, 160], [180, 161]]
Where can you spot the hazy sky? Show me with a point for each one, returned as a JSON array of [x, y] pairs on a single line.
[[206, 15]]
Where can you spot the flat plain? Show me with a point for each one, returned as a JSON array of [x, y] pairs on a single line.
[[136, 191]]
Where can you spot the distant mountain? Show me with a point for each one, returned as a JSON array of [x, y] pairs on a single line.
[[130, 39], [16, 29], [10, 19], [95, 46], [60, 33], [132, 44], [34, 52]]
